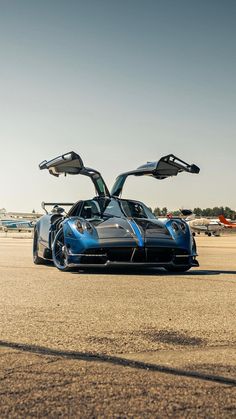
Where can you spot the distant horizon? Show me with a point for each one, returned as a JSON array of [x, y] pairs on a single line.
[[41, 211]]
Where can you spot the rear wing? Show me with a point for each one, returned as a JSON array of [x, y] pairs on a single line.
[[72, 164], [57, 206], [167, 166]]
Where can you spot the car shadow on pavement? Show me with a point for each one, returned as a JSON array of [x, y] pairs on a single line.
[[144, 271], [148, 272], [115, 360], [210, 272]]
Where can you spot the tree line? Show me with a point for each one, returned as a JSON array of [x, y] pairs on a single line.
[[199, 212]]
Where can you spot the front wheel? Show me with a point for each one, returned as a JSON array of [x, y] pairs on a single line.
[[59, 253]]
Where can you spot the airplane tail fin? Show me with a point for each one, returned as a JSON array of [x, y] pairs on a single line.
[[224, 221]]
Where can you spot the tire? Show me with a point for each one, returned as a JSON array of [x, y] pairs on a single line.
[[178, 268], [36, 258], [59, 253]]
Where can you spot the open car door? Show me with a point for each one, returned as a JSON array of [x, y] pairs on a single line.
[[71, 163], [167, 166]]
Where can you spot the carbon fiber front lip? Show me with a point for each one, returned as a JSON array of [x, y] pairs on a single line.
[[102, 259], [104, 254], [130, 264]]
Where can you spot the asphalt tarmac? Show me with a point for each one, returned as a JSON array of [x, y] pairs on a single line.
[[118, 344]]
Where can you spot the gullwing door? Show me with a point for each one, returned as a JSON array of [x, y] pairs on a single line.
[[72, 164], [165, 167], [69, 163]]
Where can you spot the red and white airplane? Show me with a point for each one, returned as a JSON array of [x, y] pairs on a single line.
[[227, 223]]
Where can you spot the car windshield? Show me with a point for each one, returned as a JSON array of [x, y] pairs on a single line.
[[124, 207], [136, 209], [116, 208]]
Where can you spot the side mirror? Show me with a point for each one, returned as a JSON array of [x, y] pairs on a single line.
[[186, 212]]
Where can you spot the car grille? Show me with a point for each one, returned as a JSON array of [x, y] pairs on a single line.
[[159, 255], [96, 256], [120, 254], [135, 255], [181, 257]]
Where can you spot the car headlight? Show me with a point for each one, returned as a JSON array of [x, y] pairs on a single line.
[[179, 226], [89, 228], [183, 226], [84, 226], [175, 226], [80, 227]]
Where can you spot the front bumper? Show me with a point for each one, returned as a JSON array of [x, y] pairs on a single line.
[[149, 257]]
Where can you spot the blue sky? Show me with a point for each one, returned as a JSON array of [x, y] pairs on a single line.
[[121, 83]]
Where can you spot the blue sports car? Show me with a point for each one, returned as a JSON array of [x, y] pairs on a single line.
[[109, 231]]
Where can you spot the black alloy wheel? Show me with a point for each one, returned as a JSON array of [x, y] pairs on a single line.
[[59, 253]]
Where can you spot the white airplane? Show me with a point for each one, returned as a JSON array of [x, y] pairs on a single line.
[[210, 227], [20, 225], [24, 215], [202, 225], [20, 221]]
